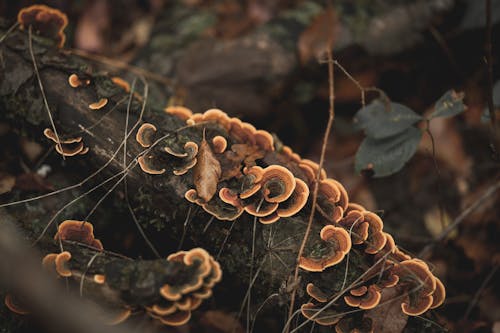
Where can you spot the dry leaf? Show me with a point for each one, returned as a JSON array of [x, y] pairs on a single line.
[[206, 172], [388, 317], [7, 182], [319, 36]]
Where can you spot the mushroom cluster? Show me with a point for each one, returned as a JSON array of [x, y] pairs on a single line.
[[179, 300], [66, 146], [272, 191], [45, 21], [171, 303], [351, 225], [268, 193], [236, 129]]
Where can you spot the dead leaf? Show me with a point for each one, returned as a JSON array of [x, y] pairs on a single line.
[[388, 317], [7, 182], [319, 36], [206, 172]]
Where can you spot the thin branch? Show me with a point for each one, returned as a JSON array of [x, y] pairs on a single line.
[[42, 91], [331, 117], [489, 71], [460, 218]]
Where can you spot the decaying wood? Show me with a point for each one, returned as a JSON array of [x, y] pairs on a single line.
[[157, 199]]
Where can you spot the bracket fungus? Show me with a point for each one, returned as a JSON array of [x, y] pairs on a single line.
[[14, 305], [78, 231], [327, 317], [179, 111], [99, 104], [145, 135], [366, 228], [335, 244], [121, 83], [364, 297], [68, 146], [45, 21], [419, 286], [179, 300], [75, 81]]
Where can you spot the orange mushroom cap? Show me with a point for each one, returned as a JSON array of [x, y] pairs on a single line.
[[325, 318], [278, 183], [354, 206], [49, 261], [264, 140], [217, 116], [99, 104], [288, 152], [75, 82], [145, 134], [339, 243], [49, 133], [439, 294], [12, 305], [219, 143], [296, 201], [230, 197], [164, 310], [183, 304], [269, 219], [417, 306], [179, 111], [61, 262], [420, 284], [45, 21], [196, 302], [78, 231], [316, 293], [145, 163], [71, 150], [219, 209], [121, 83], [367, 300], [176, 319], [99, 278], [261, 208], [311, 168], [120, 317], [328, 188], [360, 291]]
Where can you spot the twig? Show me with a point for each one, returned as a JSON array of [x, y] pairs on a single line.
[[489, 192], [480, 291], [331, 117], [42, 91], [8, 32], [489, 71]]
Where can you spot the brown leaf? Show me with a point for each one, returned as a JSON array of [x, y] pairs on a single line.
[[319, 36], [206, 172], [388, 317], [7, 182]]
